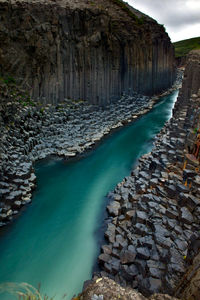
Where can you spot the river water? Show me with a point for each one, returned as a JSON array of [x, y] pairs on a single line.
[[54, 241]]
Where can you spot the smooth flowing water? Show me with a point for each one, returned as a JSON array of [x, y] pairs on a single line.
[[53, 242]]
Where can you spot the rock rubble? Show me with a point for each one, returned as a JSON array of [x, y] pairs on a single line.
[[153, 223], [67, 130]]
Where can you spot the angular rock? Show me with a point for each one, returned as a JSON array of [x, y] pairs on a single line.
[[162, 241], [107, 249], [110, 233], [172, 214], [129, 272], [153, 182], [115, 265], [174, 267], [161, 230], [104, 258], [141, 265], [156, 265], [146, 241], [155, 285], [116, 253], [181, 245], [171, 190], [186, 216], [141, 217], [121, 241], [114, 208], [156, 273], [127, 257], [143, 253], [130, 214], [141, 229], [181, 188]]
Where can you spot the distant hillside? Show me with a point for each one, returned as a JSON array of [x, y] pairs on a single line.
[[182, 48]]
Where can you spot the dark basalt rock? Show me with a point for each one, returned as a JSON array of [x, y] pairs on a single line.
[[165, 226], [186, 216], [91, 50], [127, 257], [143, 253]]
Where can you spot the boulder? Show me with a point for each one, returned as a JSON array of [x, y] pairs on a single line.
[[113, 208], [127, 257], [186, 216]]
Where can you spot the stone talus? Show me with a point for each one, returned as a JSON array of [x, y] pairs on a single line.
[[30, 132], [154, 214]]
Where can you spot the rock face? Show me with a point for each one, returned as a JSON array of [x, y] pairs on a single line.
[[154, 232], [30, 132], [191, 76], [91, 50]]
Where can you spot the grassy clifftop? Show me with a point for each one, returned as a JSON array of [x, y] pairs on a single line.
[[182, 48]]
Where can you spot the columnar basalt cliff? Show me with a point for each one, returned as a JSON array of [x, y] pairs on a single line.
[[192, 75], [91, 50], [154, 214]]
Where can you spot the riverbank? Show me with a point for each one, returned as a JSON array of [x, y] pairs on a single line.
[[153, 233], [68, 207], [67, 130]]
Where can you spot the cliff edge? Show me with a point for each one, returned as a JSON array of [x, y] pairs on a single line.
[[90, 50]]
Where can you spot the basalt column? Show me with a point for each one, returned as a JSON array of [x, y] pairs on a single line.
[[90, 50]]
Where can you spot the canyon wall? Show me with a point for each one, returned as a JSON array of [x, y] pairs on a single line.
[[90, 50], [154, 214], [191, 80]]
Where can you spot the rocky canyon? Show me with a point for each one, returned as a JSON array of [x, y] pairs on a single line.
[[90, 50]]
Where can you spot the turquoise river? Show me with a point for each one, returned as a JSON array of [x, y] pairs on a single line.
[[54, 241]]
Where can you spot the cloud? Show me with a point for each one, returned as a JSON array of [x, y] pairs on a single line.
[[176, 15], [179, 20]]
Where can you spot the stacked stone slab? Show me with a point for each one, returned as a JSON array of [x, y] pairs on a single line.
[[90, 50], [67, 130], [154, 218]]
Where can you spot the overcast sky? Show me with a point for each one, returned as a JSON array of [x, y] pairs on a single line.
[[181, 18]]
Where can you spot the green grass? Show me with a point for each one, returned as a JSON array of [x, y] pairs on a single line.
[[9, 80], [9, 88], [182, 48], [125, 8]]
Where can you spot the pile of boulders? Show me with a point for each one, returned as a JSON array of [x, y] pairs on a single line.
[[154, 214], [32, 132]]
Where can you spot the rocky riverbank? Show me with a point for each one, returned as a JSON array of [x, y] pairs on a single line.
[[154, 214], [30, 132]]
